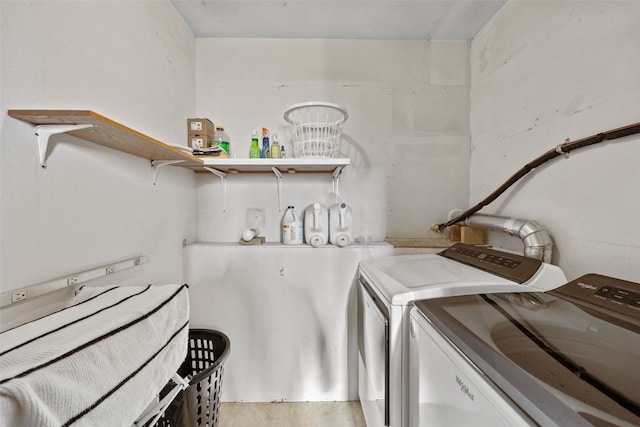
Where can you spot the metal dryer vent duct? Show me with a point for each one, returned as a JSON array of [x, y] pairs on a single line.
[[537, 241]]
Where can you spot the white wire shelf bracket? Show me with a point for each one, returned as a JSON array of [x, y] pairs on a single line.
[[335, 179], [157, 164], [223, 179], [278, 175], [278, 167]]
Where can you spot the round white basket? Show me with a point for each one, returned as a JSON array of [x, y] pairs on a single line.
[[315, 128]]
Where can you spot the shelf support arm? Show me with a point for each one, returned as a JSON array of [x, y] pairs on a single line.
[[43, 132], [278, 175], [335, 177], [157, 164], [223, 179]]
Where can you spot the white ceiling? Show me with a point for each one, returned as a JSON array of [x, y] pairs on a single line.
[[339, 19]]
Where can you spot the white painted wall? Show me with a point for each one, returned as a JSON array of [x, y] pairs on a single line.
[[408, 139], [407, 134], [289, 313], [545, 71], [133, 62]]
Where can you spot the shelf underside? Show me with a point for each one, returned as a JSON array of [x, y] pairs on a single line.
[[237, 166]]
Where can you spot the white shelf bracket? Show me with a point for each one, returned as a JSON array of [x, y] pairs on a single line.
[[278, 175], [223, 179], [43, 132], [335, 177], [157, 164]]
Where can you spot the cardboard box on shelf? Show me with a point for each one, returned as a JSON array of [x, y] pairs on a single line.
[[200, 141], [200, 127]]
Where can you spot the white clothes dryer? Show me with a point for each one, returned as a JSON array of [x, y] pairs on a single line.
[[388, 288]]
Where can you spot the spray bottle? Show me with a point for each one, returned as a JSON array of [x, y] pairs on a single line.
[[266, 152]]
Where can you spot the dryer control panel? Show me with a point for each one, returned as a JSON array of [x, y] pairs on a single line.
[[510, 266]]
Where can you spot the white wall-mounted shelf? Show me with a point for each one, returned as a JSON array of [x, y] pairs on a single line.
[[286, 165]]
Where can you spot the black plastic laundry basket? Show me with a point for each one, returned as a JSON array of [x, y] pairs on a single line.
[[199, 404]]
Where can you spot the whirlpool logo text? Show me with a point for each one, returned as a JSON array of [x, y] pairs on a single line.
[[464, 388], [586, 286]]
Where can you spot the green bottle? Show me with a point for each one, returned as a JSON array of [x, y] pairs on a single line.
[[221, 139], [254, 151]]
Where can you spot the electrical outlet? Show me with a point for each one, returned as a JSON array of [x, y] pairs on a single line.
[[255, 218], [109, 269], [18, 295], [72, 280]]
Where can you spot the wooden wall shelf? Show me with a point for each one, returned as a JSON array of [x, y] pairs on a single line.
[[105, 132]]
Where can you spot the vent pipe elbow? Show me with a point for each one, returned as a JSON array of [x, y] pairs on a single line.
[[537, 241]]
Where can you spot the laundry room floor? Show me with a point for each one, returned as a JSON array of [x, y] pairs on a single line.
[[291, 414]]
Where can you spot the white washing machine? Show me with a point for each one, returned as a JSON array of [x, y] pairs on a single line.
[[387, 290], [567, 357]]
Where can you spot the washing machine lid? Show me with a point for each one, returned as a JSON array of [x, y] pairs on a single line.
[[459, 270], [578, 345]]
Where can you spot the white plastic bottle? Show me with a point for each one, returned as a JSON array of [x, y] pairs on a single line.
[[340, 224], [316, 225], [291, 227]]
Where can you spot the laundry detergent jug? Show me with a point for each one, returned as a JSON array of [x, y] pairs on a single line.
[[316, 225], [291, 227], [340, 224]]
